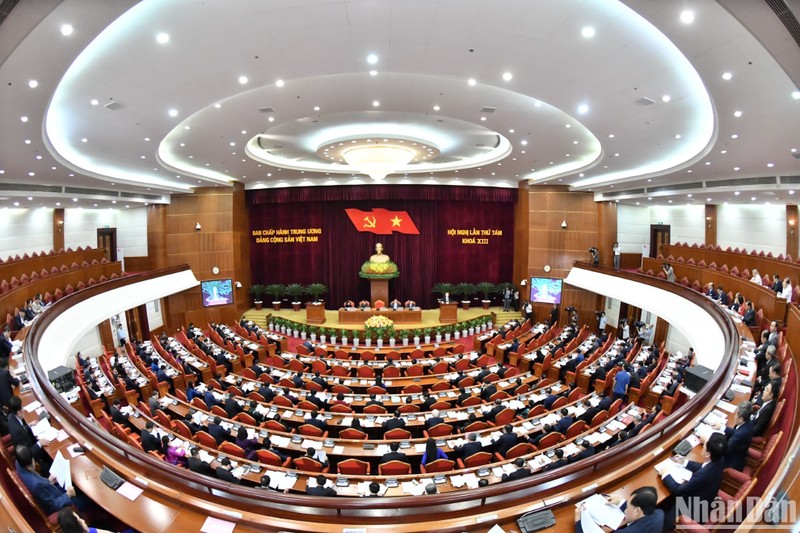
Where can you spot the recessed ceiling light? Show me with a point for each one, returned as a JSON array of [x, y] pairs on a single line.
[[666, 98], [735, 136], [187, 127], [58, 204], [217, 105], [94, 101], [588, 32], [708, 163], [637, 203], [791, 192], [752, 198], [279, 83], [523, 142], [436, 108], [723, 151], [33, 84], [611, 135], [232, 143], [511, 130], [727, 76], [31, 174], [373, 72], [689, 195], [567, 125], [736, 168], [162, 38], [66, 30], [708, 199], [770, 165], [271, 119], [39, 157], [580, 175], [737, 114], [173, 112], [677, 135], [737, 193], [483, 119], [243, 80], [793, 150], [583, 109], [74, 199], [472, 82], [796, 95], [687, 16], [316, 108], [143, 156], [375, 103], [507, 76], [574, 142], [372, 59], [16, 204], [27, 141], [23, 118]]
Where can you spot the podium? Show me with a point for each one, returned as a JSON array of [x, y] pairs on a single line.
[[379, 290], [315, 313], [448, 313]]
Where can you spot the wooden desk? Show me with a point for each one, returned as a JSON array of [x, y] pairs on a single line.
[[315, 313], [401, 316], [448, 313]]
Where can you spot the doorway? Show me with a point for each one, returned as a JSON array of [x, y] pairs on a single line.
[[107, 241], [659, 236]]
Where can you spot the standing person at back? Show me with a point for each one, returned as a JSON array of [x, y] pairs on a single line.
[[616, 251]]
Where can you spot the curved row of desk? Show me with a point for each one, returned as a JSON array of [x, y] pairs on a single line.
[[176, 499]]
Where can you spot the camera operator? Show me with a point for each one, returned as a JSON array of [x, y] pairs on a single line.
[[595, 256], [573, 316], [670, 273]]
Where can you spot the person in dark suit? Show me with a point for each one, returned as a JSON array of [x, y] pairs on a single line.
[[198, 465], [22, 435], [373, 401], [394, 423], [317, 422], [456, 380], [589, 414], [641, 515], [428, 401], [208, 397], [739, 437], [189, 423], [6, 347], [558, 463], [488, 391], [506, 441], [232, 407], [148, 438], [7, 383], [394, 454], [553, 315], [586, 450], [471, 447], [224, 472], [496, 410], [266, 391], [763, 376], [749, 317], [50, 497], [701, 489], [764, 415], [522, 471], [434, 419], [320, 489], [599, 373], [550, 400], [565, 422], [605, 403], [19, 321], [463, 395], [482, 374], [319, 380], [216, 430], [777, 284]]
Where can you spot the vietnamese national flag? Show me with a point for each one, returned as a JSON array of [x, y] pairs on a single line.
[[382, 221]]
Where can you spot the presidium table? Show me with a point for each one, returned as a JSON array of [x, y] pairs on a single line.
[[401, 316]]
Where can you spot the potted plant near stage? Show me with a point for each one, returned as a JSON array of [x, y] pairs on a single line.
[[427, 332], [443, 288], [276, 291], [378, 327], [257, 292], [404, 337], [303, 331], [316, 290], [343, 335], [294, 291], [296, 329], [438, 334], [464, 290], [448, 330], [486, 288], [313, 330]]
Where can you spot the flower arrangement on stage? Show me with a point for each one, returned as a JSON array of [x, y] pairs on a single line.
[[386, 270], [378, 326]]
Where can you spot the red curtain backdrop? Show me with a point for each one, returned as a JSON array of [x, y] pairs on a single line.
[[336, 257]]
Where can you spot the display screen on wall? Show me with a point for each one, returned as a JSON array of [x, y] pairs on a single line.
[[546, 290], [217, 292]]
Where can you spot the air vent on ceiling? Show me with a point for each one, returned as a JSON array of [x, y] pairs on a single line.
[[645, 101], [790, 179], [5, 8], [141, 196], [675, 187], [487, 109], [93, 192], [279, 146], [266, 109], [113, 105], [614, 194], [481, 145], [29, 187], [787, 17], [741, 182]]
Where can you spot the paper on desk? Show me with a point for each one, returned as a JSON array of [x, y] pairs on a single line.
[[588, 525], [678, 472], [130, 491], [496, 529], [603, 512], [35, 404], [60, 468], [215, 525], [726, 406]]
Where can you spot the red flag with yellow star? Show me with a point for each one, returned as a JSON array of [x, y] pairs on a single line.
[[382, 221]]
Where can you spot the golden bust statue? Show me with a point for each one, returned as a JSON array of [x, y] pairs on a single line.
[[379, 256]]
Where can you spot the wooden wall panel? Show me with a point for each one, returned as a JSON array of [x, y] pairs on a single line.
[[522, 217], [792, 232], [711, 224], [58, 229], [156, 238], [607, 232]]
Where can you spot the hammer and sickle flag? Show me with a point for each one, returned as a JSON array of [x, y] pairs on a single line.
[[382, 221]]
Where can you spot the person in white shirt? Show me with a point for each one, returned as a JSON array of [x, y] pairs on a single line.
[[786, 293], [756, 277], [616, 251], [626, 330], [603, 321]]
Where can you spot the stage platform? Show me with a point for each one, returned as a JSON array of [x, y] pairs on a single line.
[[430, 317]]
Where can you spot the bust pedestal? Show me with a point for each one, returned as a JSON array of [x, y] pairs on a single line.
[[379, 290]]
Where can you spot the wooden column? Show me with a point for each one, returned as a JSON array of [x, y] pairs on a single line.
[[791, 231], [711, 224], [522, 228], [157, 237], [606, 231], [144, 323], [58, 229]]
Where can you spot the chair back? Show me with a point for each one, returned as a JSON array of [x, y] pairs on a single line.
[[440, 430], [478, 459], [439, 465], [353, 467], [394, 468]]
